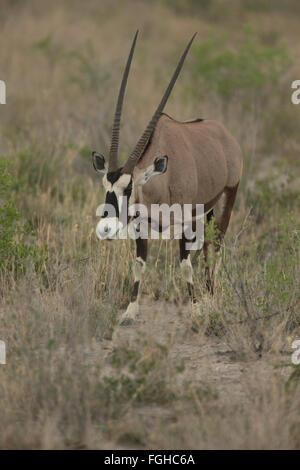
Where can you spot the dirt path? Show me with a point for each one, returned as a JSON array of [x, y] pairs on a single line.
[[206, 359]]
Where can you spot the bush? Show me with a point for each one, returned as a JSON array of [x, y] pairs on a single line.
[[15, 250]]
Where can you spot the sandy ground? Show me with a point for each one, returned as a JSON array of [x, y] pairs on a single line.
[[207, 359]]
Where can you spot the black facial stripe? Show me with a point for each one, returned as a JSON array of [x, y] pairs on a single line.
[[111, 199], [128, 190], [113, 176]]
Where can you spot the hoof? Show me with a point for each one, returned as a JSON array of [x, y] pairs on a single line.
[[197, 317], [130, 315], [126, 321]]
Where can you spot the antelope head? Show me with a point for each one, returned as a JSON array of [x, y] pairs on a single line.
[[119, 182]]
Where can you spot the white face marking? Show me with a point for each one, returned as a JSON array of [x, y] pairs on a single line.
[[110, 226], [187, 269], [119, 186], [107, 185]]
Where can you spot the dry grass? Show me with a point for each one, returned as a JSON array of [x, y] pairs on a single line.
[[73, 378]]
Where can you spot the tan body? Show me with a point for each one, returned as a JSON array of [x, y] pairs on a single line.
[[203, 160]]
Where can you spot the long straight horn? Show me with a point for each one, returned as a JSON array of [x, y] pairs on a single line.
[[113, 153], [141, 145]]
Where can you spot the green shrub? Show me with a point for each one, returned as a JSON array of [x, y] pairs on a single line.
[[269, 199], [53, 51], [15, 250], [36, 171]]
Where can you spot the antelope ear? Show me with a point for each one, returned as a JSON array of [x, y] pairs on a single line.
[[99, 163], [157, 168]]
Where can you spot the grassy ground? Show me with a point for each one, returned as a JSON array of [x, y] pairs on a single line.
[[73, 378]]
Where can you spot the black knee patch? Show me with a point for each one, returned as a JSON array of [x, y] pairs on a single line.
[[135, 291]]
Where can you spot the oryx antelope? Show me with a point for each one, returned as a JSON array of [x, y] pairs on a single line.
[[190, 162]]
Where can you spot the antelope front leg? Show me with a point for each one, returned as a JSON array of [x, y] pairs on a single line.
[[187, 273], [139, 268]]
